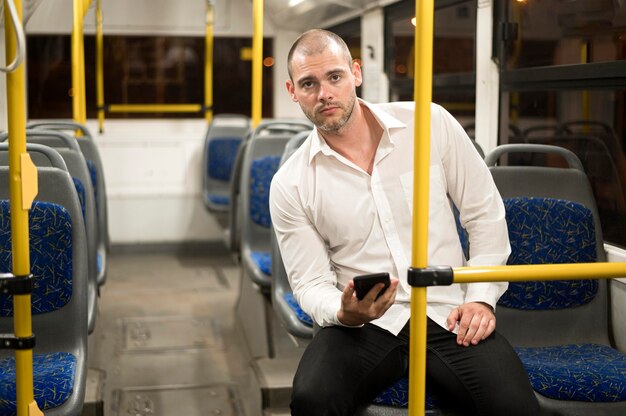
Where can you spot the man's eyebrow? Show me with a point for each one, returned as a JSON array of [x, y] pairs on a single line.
[[328, 73]]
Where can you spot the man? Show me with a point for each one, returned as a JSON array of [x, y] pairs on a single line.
[[341, 207]]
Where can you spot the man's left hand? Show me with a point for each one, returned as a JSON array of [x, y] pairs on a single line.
[[476, 322]]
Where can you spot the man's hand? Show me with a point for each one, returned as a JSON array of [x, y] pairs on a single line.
[[476, 322], [355, 312]]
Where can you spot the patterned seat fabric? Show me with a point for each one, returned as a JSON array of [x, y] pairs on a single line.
[[293, 304], [549, 231], [53, 381], [397, 395], [222, 153], [262, 171], [263, 260], [586, 373], [50, 230]]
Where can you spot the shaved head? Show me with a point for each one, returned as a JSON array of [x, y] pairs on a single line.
[[316, 41]]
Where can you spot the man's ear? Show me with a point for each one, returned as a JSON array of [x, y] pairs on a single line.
[[291, 90], [356, 71]]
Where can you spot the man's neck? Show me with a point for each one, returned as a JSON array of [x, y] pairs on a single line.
[[358, 140]]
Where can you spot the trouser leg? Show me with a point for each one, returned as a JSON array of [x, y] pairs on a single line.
[[483, 379], [343, 368]]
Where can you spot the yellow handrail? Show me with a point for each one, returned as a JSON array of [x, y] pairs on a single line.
[[208, 63], [22, 184], [78, 66], [99, 67], [257, 62], [424, 10], [154, 108]]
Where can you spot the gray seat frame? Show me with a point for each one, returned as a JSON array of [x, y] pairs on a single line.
[[280, 281], [67, 147], [63, 330], [90, 150]]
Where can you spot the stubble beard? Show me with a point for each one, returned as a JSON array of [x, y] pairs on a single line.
[[330, 126]]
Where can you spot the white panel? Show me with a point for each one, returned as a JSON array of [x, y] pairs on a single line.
[[487, 80], [153, 177], [618, 298], [160, 219], [375, 84], [284, 107], [149, 17]]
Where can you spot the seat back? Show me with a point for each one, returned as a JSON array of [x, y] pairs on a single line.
[[552, 218], [287, 309], [59, 264], [260, 163], [271, 127], [96, 170], [67, 147], [223, 138]]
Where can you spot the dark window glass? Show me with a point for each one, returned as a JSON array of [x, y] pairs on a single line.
[[591, 124], [563, 32], [453, 55], [145, 70]]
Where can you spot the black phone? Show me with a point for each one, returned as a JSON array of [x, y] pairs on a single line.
[[363, 283]]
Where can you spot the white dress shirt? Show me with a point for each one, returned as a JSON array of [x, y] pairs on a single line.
[[334, 221]]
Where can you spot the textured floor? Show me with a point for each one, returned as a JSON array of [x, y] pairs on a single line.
[[166, 338]]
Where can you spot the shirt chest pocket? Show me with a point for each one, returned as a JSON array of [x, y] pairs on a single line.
[[437, 194]]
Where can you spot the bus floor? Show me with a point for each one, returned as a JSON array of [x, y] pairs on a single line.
[[166, 340]]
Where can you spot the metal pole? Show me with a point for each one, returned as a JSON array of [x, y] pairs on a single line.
[[21, 188], [78, 65], [424, 12], [99, 67], [208, 63], [257, 62]]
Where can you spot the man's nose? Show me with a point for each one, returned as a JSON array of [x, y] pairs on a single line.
[[324, 93]]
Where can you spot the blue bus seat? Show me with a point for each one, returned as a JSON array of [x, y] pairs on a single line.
[[67, 147], [286, 307], [60, 296], [236, 214], [223, 138], [96, 171], [261, 162], [558, 326]]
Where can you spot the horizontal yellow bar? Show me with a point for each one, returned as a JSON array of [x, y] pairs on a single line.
[[521, 273], [154, 108]]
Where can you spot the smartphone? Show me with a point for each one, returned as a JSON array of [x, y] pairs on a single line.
[[363, 283]]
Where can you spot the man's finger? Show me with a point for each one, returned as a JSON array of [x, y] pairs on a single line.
[[453, 318]]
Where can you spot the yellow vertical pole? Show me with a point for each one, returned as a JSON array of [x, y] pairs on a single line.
[[424, 14], [257, 61], [586, 109], [208, 63], [78, 64], [22, 322], [99, 67]]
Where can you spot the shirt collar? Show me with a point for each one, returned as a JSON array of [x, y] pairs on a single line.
[[386, 120]]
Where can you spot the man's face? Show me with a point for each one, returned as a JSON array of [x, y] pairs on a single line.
[[324, 87]]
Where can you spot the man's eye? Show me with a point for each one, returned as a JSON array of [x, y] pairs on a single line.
[[335, 77], [307, 84]]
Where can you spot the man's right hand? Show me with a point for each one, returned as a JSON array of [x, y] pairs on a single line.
[[356, 312]]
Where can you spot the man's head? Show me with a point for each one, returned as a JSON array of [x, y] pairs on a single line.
[[323, 78]]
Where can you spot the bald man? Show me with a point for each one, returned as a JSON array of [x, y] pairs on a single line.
[[341, 206]]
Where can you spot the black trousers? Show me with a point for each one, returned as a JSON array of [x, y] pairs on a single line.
[[345, 368]]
